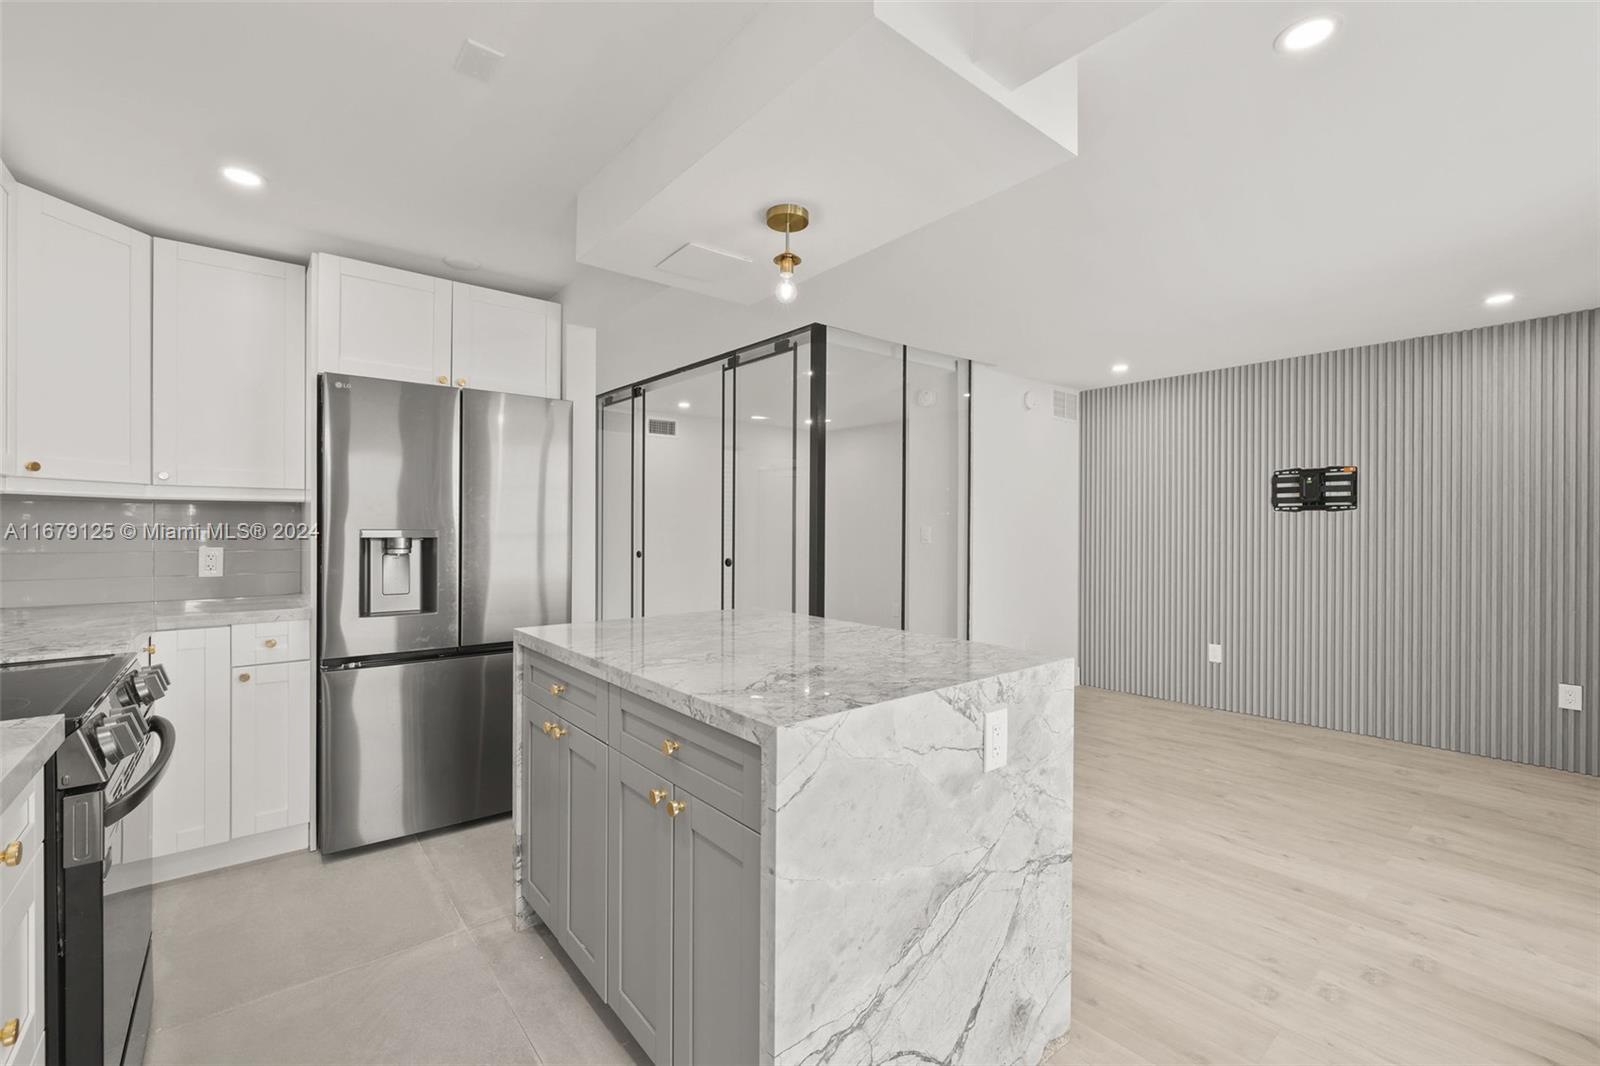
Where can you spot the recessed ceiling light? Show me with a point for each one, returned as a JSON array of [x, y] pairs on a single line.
[[461, 262], [1119, 368], [758, 418], [683, 405], [243, 177], [1306, 34], [1499, 299]]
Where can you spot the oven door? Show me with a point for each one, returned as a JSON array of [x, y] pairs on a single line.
[[127, 914]]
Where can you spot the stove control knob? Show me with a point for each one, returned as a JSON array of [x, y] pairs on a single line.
[[151, 683], [116, 738]]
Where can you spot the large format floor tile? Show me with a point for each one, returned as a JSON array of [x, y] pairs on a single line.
[[474, 864], [435, 1003], [228, 937], [568, 1024]]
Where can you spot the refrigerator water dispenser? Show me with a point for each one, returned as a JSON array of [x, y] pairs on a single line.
[[398, 571]]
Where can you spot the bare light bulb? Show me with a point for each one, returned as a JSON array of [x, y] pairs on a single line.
[[787, 290]]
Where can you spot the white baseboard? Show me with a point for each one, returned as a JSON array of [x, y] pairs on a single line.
[[252, 848]]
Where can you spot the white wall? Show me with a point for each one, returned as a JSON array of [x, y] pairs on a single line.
[[1024, 518], [577, 385]]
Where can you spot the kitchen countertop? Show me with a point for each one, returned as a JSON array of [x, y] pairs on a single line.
[[752, 672], [32, 633], [25, 746]]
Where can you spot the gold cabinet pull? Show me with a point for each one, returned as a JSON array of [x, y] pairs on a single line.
[[557, 689], [461, 381], [668, 747], [547, 726], [10, 1031], [32, 465], [558, 731], [149, 649], [244, 677], [270, 642], [13, 853], [656, 796], [676, 807], [444, 379]]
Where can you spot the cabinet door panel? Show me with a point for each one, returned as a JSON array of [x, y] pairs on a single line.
[[271, 747], [22, 963], [544, 816], [381, 322], [639, 978], [504, 342], [191, 808], [582, 926], [229, 391], [78, 372], [715, 929]]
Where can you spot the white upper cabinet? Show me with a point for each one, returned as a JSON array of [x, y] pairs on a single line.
[[77, 374], [230, 370], [506, 343], [380, 322]]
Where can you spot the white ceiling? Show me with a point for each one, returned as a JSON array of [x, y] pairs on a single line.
[[372, 145], [1228, 204]]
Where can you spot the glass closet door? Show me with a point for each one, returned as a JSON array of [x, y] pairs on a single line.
[[764, 481], [682, 479], [620, 518]]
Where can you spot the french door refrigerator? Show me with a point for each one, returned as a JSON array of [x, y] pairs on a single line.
[[445, 518]]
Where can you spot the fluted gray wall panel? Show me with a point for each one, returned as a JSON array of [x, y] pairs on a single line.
[[1443, 611]]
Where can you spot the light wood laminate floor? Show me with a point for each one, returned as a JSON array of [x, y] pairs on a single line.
[[1248, 891]]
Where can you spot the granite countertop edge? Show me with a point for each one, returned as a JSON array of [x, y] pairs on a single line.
[[30, 634], [26, 744]]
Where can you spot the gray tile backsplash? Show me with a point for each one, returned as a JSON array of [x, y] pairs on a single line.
[[61, 551]]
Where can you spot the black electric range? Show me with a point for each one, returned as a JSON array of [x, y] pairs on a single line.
[[98, 986]]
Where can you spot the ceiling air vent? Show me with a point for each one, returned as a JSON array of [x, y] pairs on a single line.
[[662, 427], [1066, 404]]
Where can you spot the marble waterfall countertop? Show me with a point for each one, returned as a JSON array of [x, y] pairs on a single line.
[[915, 904], [28, 634], [25, 746], [752, 672]]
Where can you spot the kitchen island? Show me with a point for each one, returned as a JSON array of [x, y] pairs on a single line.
[[767, 837]]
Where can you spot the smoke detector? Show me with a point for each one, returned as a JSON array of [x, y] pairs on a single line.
[[478, 60]]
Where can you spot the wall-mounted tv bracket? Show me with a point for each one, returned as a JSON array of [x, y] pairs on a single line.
[[1327, 488]]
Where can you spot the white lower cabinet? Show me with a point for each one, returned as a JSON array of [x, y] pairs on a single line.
[[22, 929], [271, 747], [238, 787]]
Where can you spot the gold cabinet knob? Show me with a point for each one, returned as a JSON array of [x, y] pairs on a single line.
[[244, 677], [13, 853], [669, 746], [557, 689], [675, 807], [10, 1031], [444, 379], [656, 796], [558, 731], [149, 649], [32, 464], [546, 727], [271, 643], [461, 381]]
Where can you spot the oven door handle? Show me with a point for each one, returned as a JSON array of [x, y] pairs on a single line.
[[117, 811]]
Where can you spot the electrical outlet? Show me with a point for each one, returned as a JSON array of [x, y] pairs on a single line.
[[210, 561], [994, 739], [1569, 697], [1213, 653]]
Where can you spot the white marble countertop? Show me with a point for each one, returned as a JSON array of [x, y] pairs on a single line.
[[31, 633], [25, 746], [752, 672]]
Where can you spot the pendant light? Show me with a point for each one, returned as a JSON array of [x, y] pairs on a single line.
[[787, 219]]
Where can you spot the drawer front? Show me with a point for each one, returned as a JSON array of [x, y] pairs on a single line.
[[271, 642], [22, 827], [22, 962], [574, 695], [718, 768]]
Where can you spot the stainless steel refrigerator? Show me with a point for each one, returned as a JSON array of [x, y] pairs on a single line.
[[445, 519]]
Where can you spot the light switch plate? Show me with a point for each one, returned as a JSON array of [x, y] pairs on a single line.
[[994, 739], [1569, 697], [210, 561], [1213, 653]]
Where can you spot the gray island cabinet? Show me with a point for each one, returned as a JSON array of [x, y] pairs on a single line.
[[763, 837]]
